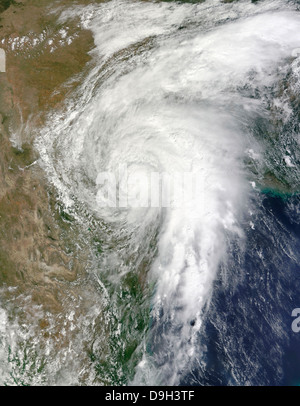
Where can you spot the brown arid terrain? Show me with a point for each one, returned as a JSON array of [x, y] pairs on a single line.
[[42, 265]]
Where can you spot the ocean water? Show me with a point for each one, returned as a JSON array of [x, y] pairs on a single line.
[[247, 335]]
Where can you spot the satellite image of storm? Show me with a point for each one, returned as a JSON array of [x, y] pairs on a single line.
[[149, 194]]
